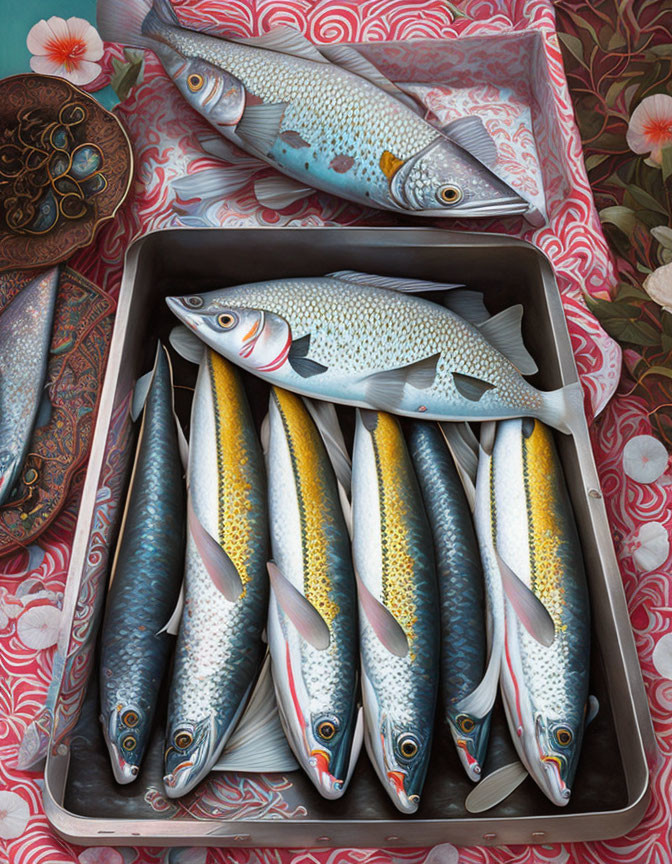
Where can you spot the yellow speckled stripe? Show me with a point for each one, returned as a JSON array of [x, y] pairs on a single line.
[[544, 530], [398, 560], [235, 530], [308, 463]]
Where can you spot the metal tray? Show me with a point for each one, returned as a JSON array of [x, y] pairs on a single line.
[[610, 795]]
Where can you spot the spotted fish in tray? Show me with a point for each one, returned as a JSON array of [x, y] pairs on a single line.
[[219, 647], [399, 608], [323, 115], [146, 578], [25, 336], [369, 341]]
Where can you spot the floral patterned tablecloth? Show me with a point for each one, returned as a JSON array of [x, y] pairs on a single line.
[[168, 151]]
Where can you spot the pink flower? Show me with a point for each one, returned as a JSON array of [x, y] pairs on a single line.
[[65, 48], [650, 127]]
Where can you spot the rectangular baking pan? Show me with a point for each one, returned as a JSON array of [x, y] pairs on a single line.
[[611, 791]]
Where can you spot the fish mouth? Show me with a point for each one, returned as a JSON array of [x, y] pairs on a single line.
[[124, 772], [182, 779], [470, 763], [512, 206], [406, 803], [556, 788], [329, 786]]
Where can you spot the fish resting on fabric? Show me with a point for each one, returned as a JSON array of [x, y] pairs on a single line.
[[146, 579], [323, 115]]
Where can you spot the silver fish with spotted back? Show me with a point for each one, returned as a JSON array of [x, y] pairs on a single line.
[[219, 646], [368, 341], [145, 582], [323, 115], [25, 336]]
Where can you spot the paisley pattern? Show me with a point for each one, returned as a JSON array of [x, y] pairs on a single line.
[[165, 134]]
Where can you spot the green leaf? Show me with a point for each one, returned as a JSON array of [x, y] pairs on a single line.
[[666, 343], [594, 160], [666, 321], [574, 45], [643, 268], [617, 41], [127, 75], [667, 162], [664, 50], [635, 332], [611, 308], [663, 235], [455, 12], [626, 291], [646, 201], [623, 217], [666, 371]]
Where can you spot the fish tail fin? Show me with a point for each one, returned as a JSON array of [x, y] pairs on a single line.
[[134, 22], [563, 409]]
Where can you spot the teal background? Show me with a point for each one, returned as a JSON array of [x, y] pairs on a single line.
[[18, 16]]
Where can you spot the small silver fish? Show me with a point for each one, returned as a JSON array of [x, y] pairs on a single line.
[[323, 115], [25, 336]]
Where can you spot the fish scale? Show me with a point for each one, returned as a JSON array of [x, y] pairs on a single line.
[[463, 636], [145, 582], [219, 647], [392, 548]]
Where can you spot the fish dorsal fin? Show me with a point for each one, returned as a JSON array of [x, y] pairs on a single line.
[[531, 612], [182, 445], [258, 743], [470, 134], [463, 447], [480, 701], [386, 627], [260, 124], [172, 625], [326, 419], [495, 787], [384, 390], [357, 739], [300, 611], [487, 439], [140, 393], [220, 567], [471, 388], [186, 344], [299, 360], [392, 283], [349, 58], [284, 40], [503, 332], [278, 192], [468, 305], [265, 433]]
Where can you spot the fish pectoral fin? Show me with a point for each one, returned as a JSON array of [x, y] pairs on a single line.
[[392, 283], [503, 332], [300, 611], [285, 40], [470, 134], [486, 442], [172, 625], [471, 388], [298, 360], [463, 446], [44, 410], [495, 787], [369, 419], [531, 612], [186, 344], [265, 433], [479, 702], [355, 749], [468, 305], [384, 389], [258, 743], [278, 192], [220, 568], [386, 627], [260, 124], [326, 419], [592, 709], [350, 59]]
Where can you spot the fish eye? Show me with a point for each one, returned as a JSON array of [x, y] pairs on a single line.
[[194, 302], [183, 740], [408, 746], [129, 718], [326, 730], [564, 736], [195, 82], [465, 723], [449, 194], [227, 320], [128, 743]]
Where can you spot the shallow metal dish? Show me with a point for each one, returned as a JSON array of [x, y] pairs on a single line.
[[611, 789]]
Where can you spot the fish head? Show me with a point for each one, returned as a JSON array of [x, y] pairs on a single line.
[[252, 338], [558, 743], [125, 730], [190, 748], [445, 180], [470, 734], [216, 95]]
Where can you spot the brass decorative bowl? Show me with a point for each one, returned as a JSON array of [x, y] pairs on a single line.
[[32, 121]]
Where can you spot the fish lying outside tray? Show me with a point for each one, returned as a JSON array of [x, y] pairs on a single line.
[[441, 810]]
